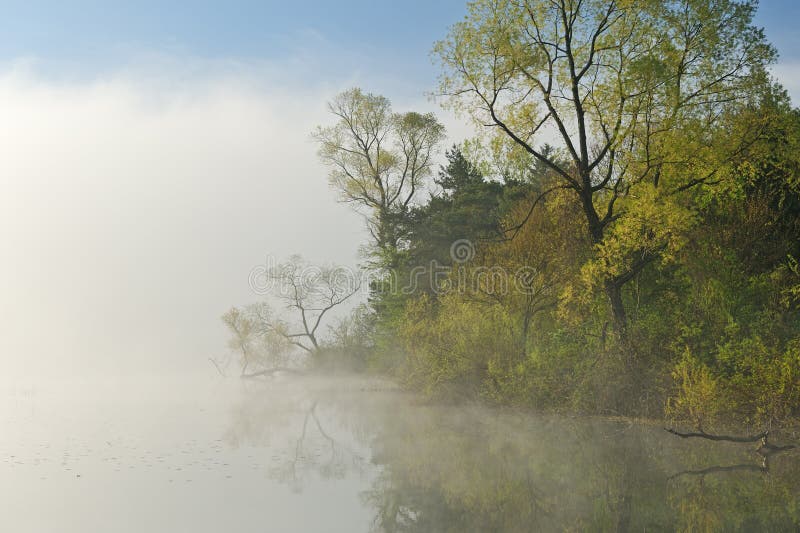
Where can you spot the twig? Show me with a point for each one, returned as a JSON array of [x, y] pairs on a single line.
[[221, 373]]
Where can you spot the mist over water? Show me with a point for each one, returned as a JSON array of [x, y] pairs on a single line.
[[162, 455], [354, 454], [135, 203]]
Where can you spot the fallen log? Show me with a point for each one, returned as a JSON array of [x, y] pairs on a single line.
[[764, 448], [768, 449], [703, 435], [272, 371]]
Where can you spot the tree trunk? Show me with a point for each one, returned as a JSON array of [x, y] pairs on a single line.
[[614, 293], [613, 288]]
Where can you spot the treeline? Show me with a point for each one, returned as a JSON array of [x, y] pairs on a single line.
[[622, 235]]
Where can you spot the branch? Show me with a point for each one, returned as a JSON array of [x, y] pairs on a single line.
[[271, 371], [727, 438], [221, 373], [517, 228], [333, 303]]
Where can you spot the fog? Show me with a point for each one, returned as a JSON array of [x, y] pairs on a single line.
[[353, 454], [133, 205]]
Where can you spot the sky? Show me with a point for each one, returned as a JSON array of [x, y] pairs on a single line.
[[153, 153], [387, 38]]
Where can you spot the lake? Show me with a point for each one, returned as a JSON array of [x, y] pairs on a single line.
[[349, 454]]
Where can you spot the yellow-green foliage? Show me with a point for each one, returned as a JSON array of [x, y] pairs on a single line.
[[753, 384], [763, 382], [456, 345], [790, 296], [698, 398], [656, 224]]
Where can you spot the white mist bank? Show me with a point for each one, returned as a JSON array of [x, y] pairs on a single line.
[[134, 204]]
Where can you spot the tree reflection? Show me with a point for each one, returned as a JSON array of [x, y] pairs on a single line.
[[287, 418], [445, 469]]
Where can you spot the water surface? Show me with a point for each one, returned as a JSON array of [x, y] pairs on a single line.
[[350, 455]]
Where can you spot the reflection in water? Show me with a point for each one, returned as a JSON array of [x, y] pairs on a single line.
[[474, 469], [311, 444], [351, 455]]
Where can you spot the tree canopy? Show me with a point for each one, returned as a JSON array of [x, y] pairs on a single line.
[[639, 94], [379, 159]]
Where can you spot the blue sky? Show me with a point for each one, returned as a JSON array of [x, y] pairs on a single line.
[[389, 38], [393, 38]]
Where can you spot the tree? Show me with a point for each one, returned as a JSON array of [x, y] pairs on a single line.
[[309, 293], [260, 347], [379, 161], [468, 207], [639, 94]]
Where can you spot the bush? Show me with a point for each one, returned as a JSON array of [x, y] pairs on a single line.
[[699, 395], [763, 381], [456, 347]]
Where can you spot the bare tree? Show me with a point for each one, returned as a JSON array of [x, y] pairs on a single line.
[[265, 340], [309, 292]]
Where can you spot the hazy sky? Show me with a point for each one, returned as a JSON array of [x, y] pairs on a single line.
[[152, 154]]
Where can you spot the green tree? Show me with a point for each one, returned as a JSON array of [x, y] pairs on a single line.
[[469, 207], [380, 161], [639, 94]]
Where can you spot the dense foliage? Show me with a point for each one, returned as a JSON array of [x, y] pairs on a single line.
[[714, 330], [622, 236], [645, 266]]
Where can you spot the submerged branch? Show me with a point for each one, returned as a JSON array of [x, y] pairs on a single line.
[[703, 435], [764, 448], [272, 371]]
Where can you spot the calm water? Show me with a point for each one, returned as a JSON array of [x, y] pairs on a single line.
[[353, 455]]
